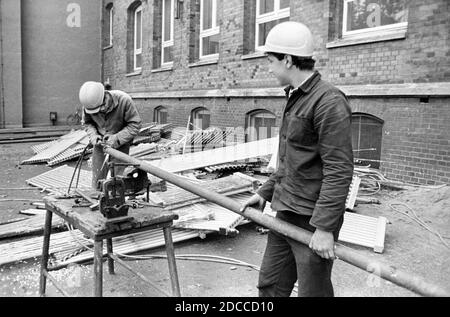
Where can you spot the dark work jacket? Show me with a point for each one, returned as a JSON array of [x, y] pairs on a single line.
[[315, 156], [121, 118]]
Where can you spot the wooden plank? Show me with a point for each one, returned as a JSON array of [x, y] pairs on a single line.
[[379, 237], [34, 225], [33, 212], [32, 247]]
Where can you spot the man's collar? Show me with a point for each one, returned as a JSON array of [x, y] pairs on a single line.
[[113, 101], [306, 85]]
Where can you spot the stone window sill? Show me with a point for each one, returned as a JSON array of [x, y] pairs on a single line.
[[204, 62], [162, 69], [368, 39], [136, 73]]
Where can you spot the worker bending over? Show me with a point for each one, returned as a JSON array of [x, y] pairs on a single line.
[[111, 119]]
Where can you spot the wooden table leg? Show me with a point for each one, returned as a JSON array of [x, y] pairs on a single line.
[[109, 249], [45, 250], [172, 264], [98, 268]]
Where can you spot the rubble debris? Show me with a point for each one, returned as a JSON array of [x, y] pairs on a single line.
[[242, 151]]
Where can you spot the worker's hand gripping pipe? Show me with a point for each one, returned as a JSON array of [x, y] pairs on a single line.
[[413, 283]]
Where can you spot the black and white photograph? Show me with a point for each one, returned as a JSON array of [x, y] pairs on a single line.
[[224, 153]]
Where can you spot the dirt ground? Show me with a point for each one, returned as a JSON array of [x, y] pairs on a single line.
[[408, 246]]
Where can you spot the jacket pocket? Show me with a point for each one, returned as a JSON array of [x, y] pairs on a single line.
[[300, 132]]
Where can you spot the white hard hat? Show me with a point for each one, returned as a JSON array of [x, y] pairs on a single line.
[[91, 96], [291, 38]]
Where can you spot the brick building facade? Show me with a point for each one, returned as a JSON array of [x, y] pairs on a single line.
[[392, 61]]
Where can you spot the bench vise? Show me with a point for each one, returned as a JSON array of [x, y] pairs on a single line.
[[114, 190]]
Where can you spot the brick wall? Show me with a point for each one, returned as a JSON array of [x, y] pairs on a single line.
[[421, 57], [416, 136]]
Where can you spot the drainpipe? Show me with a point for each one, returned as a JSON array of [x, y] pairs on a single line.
[[2, 101]]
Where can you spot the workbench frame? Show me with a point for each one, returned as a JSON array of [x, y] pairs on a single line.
[[52, 207]]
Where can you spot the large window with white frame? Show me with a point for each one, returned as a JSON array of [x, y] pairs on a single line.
[[268, 14], [209, 30], [363, 18], [137, 54], [109, 24], [167, 33]]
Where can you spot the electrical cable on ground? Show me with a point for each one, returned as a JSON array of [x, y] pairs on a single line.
[[416, 218], [201, 257], [20, 199]]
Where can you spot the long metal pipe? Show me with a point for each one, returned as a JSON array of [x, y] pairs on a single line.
[[413, 283]]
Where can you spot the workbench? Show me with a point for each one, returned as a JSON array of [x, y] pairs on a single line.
[[96, 227]]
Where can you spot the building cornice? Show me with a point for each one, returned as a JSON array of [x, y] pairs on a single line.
[[387, 90]]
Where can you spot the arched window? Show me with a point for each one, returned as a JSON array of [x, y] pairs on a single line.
[[367, 134], [200, 118], [160, 115], [260, 124]]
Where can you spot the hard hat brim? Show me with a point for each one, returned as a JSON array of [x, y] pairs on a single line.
[[92, 111]]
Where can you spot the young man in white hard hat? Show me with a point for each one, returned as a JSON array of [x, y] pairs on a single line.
[[315, 168], [110, 118]]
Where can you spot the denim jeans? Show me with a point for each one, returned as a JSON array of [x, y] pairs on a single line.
[[98, 158], [285, 261]]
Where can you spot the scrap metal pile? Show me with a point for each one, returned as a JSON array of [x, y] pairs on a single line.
[[234, 169]]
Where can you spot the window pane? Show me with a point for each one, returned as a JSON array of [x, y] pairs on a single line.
[[111, 17], [211, 45], [163, 118], [167, 20], [266, 6], [367, 134], [108, 27], [138, 29], [264, 29], [138, 60], [168, 54], [362, 14], [285, 4], [263, 124], [161, 115], [207, 14]]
